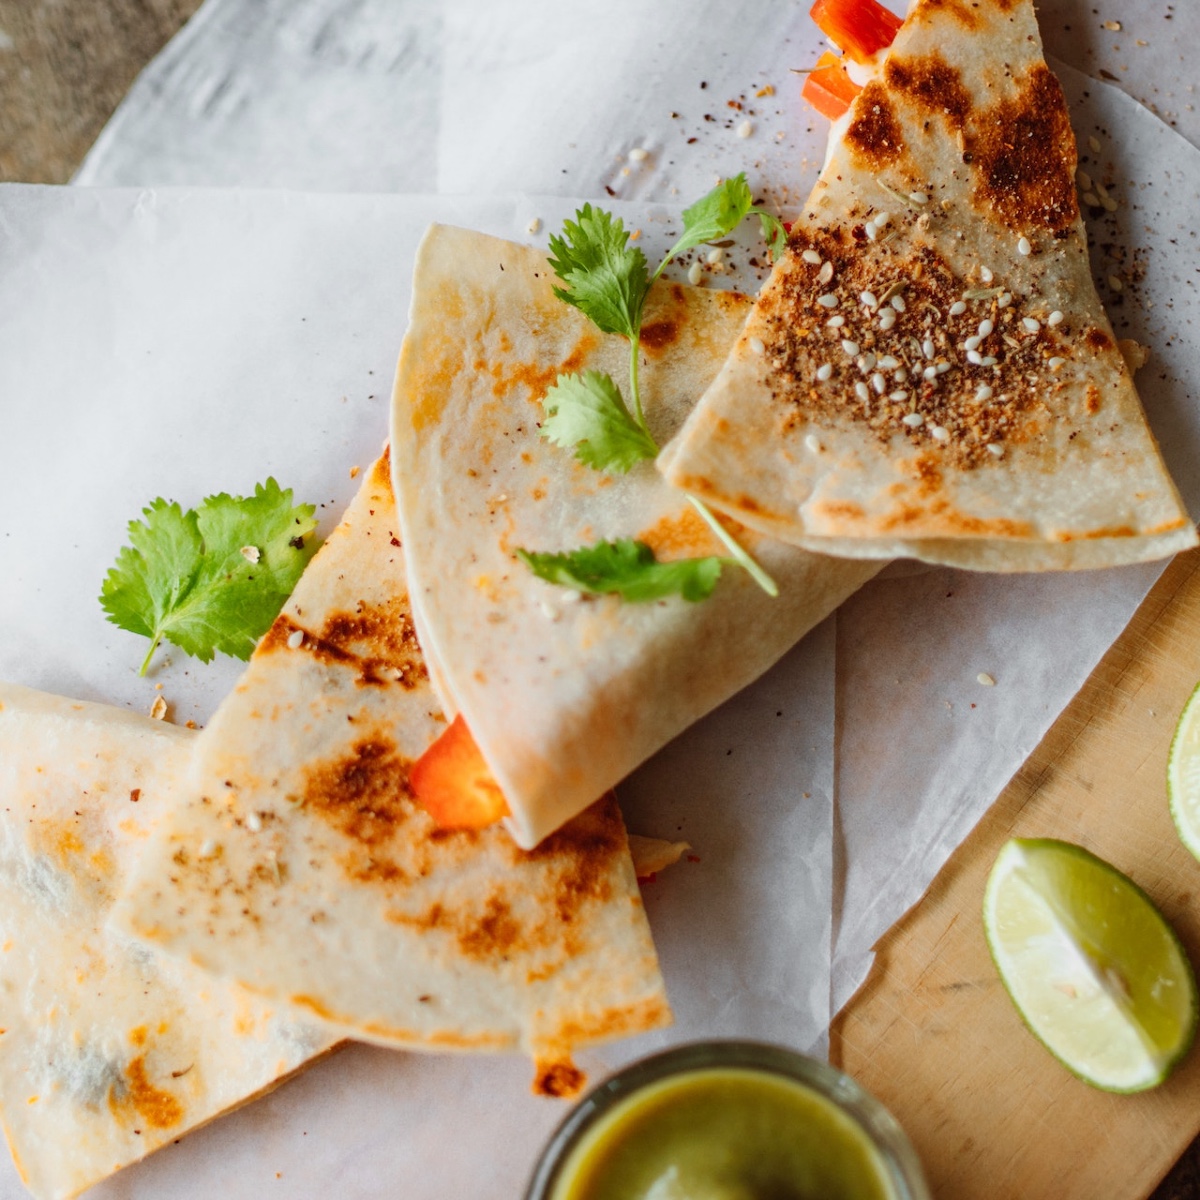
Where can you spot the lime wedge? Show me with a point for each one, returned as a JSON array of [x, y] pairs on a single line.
[[1183, 774], [1093, 967]]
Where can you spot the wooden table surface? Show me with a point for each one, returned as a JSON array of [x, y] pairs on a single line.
[[66, 64]]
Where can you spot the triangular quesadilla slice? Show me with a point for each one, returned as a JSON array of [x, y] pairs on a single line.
[[297, 862], [566, 693], [929, 371], [107, 1050]]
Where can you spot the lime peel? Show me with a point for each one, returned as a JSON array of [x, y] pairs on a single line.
[[1183, 775], [1094, 969]]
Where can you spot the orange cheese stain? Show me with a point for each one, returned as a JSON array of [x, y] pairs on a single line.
[[155, 1107]]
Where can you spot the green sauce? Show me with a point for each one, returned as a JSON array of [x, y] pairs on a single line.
[[724, 1134]]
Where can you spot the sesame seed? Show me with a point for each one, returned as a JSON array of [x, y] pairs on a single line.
[[1055, 318], [918, 197], [900, 394], [913, 420], [888, 362], [695, 273], [868, 298], [984, 392], [879, 383], [985, 327], [887, 319], [828, 300], [1031, 323], [871, 230], [986, 679], [1024, 247], [758, 345], [900, 375], [824, 372], [928, 348], [993, 448], [958, 308], [549, 611], [1115, 283], [1005, 300], [1056, 362], [930, 373], [974, 357], [1094, 145], [940, 433], [251, 553], [988, 360], [897, 302], [860, 390], [942, 366], [851, 348], [985, 273], [1091, 199], [882, 218], [866, 362], [972, 343], [207, 848], [639, 154], [813, 443], [295, 639], [253, 822], [570, 596], [745, 129], [1084, 180], [836, 322], [825, 274], [811, 256], [715, 255], [535, 225], [1110, 205]]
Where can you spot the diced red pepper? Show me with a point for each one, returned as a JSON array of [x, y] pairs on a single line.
[[451, 781], [828, 88], [860, 28]]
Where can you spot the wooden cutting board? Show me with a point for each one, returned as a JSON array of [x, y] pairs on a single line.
[[932, 1032]]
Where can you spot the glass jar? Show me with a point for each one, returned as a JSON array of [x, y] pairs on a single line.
[[722, 1119]]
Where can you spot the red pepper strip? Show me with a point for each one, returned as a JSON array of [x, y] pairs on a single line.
[[861, 28], [828, 88], [452, 782]]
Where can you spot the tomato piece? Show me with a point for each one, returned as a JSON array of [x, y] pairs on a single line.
[[861, 28], [451, 781], [828, 88]]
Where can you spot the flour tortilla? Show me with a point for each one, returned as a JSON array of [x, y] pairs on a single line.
[[963, 139], [298, 864], [107, 1051], [565, 695]]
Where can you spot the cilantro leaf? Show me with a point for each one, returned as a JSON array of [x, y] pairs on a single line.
[[713, 216], [213, 578], [607, 280], [587, 412], [773, 230], [628, 568]]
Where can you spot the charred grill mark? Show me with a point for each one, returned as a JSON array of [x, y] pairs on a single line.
[[1024, 152], [933, 84], [874, 134]]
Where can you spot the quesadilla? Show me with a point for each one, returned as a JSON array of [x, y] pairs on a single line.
[[929, 371], [297, 863], [563, 693], [107, 1050]]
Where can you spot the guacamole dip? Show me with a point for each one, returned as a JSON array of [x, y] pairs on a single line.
[[724, 1133]]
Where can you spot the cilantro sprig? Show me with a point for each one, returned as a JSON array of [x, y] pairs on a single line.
[[211, 578], [629, 569], [608, 281]]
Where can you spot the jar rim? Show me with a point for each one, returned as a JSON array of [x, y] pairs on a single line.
[[882, 1130]]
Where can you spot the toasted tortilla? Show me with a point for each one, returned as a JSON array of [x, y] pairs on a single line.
[[1038, 457], [565, 695], [297, 862], [107, 1050]]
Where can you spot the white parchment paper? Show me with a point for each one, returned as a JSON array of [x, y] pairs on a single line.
[[179, 343]]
